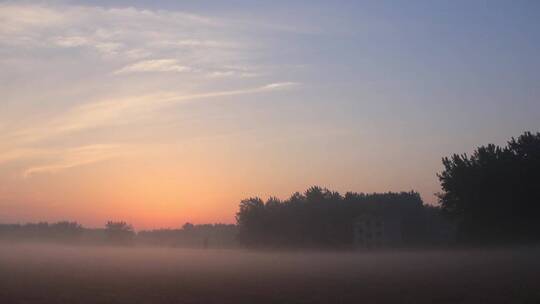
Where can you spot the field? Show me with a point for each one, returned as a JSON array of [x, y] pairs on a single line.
[[32, 273]]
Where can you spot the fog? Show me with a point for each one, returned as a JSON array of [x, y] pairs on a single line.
[[45, 273]]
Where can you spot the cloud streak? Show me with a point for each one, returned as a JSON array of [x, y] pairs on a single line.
[[102, 114], [76, 157], [129, 109], [156, 65]]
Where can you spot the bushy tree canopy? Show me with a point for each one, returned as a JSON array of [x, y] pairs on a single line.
[[495, 192], [119, 232]]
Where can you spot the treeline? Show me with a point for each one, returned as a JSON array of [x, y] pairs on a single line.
[[193, 236], [66, 231], [325, 219], [121, 233], [489, 197]]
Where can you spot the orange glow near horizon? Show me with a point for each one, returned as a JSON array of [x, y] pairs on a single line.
[[166, 188]]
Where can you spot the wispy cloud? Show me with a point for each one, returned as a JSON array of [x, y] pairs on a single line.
[[127, 109], [71, 41], [75, 157], [22, 154], [119, 67], [202, 43], [125, 34], [280, 85], [19, 18], [95, 115], [156, 65], [131, 40]]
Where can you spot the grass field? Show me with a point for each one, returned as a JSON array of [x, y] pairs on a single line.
[[64, 274]]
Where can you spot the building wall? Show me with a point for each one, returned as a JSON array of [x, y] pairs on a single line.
[[371, 231]]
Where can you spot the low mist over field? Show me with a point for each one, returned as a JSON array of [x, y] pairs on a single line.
[[33, 273]]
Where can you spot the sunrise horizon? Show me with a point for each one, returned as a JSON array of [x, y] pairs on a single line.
[[171, 112], [287, 151]]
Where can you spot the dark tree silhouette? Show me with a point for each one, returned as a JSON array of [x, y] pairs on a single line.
[[119, 232], [495, 192], [188, 226], [324, 218], [252, 215], [194, 236], [61, 231]]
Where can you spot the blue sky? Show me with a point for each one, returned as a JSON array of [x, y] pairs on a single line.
[[251, 98]]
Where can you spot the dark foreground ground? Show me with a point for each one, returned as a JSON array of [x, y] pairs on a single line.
[[62, 274]]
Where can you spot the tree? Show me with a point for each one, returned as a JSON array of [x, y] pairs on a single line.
[[495, 192], [188, 226], [250, 219], [119, 232]]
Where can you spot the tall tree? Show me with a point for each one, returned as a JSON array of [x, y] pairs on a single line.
[[495, 192]]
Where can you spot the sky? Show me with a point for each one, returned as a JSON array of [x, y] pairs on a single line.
[[164, 112]]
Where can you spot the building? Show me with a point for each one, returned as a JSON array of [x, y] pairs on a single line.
[[377, 231]]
